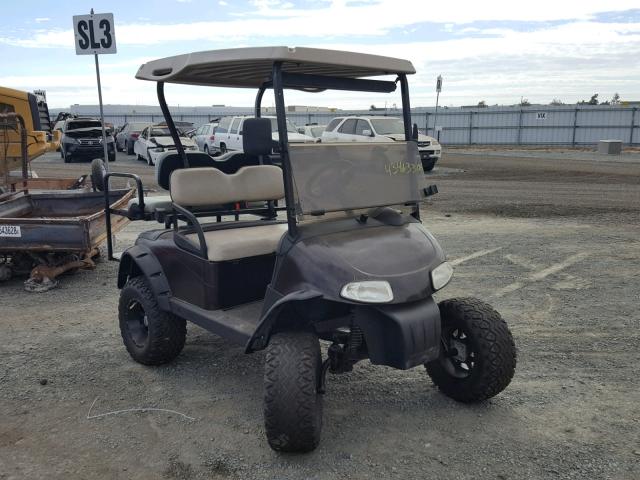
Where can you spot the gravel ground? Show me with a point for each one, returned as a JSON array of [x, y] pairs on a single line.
[[553, 244]]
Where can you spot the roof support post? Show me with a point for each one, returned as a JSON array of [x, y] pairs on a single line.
[[283, 143], [406, 106], [258, 103], [406, 116], [171, 125]]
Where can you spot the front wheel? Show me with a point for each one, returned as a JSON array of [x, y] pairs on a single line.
[[292, 403], [150, 335], [478, 356]]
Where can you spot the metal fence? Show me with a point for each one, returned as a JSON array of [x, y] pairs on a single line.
[[562, 125]]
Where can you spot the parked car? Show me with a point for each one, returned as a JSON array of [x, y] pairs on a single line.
[[82, 140], [127, 136], [204, 137], [155, 139], [380, 129], [312, 130], [228, 135]]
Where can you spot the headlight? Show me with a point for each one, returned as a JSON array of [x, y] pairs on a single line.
[[374, 291], [158, 149], [192, 147], [441, 275], [435, 142], [71, 140]]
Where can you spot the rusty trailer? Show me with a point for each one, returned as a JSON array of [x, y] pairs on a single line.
[[46, 234]]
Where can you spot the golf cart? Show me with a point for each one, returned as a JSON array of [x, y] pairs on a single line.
[[346, 260]]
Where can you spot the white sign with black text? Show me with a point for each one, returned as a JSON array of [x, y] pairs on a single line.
[[94, 34]]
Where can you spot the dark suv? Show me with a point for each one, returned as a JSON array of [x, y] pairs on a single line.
[[82, 139]]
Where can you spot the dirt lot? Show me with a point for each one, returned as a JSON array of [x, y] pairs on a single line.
[[552, 243]]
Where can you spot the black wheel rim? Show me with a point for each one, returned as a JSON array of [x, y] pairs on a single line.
[[459, 356], [137, 323]]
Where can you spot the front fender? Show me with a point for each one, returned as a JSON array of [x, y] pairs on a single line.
[[274, 305], [140, 260], [401, 336]]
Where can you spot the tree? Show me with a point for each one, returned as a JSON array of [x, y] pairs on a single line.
[[615, 100], [482, 103], [372, 107], [556, 101], [592, 101], [524, 102]]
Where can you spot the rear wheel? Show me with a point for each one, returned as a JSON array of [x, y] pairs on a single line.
[[206, 149], [129, 147], [223, 148], [150, 335], [478, 356], [292, 403], [149, 160]]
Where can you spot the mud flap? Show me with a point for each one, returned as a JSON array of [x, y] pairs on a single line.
[[401, 336]]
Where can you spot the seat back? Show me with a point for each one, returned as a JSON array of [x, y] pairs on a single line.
[[256, 136], [168, 162], [196, 187]]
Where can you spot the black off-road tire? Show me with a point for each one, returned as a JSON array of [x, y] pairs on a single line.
[[98, 171], [428, 165], [129, 148], [292, 403], [491, 342], [165, 332], [223, 148]]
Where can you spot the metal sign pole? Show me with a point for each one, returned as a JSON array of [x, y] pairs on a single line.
[[104, 131]]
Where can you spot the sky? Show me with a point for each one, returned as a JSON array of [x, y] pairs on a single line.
[[496, 51]]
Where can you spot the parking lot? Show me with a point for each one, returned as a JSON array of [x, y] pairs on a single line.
[[551, 239]]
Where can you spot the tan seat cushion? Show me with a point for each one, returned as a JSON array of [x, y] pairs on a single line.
[[235, 243], [152, 203]]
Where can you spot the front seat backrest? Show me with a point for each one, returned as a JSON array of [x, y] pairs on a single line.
[[198, 187]]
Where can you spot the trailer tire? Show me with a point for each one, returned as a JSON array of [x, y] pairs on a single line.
[[292, 403], [474, 330], [98, 172], [150, 335]]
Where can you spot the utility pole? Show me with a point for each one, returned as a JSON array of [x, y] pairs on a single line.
[[435, 118]]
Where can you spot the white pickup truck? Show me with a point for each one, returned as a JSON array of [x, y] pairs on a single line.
[[380, 129]]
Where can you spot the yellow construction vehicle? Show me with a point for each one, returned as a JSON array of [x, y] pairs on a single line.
[[32, 108]]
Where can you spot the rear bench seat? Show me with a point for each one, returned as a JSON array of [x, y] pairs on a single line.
[[196, 187]]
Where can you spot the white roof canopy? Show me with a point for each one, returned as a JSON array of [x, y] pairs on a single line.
[[251, 67]]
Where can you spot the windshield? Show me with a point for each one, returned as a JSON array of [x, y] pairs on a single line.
[[388, 126], [137, 127], [330, 177], [161, 132], [291, 128], [84, 124]]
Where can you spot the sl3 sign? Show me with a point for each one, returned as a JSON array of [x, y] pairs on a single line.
[[94, 34]]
